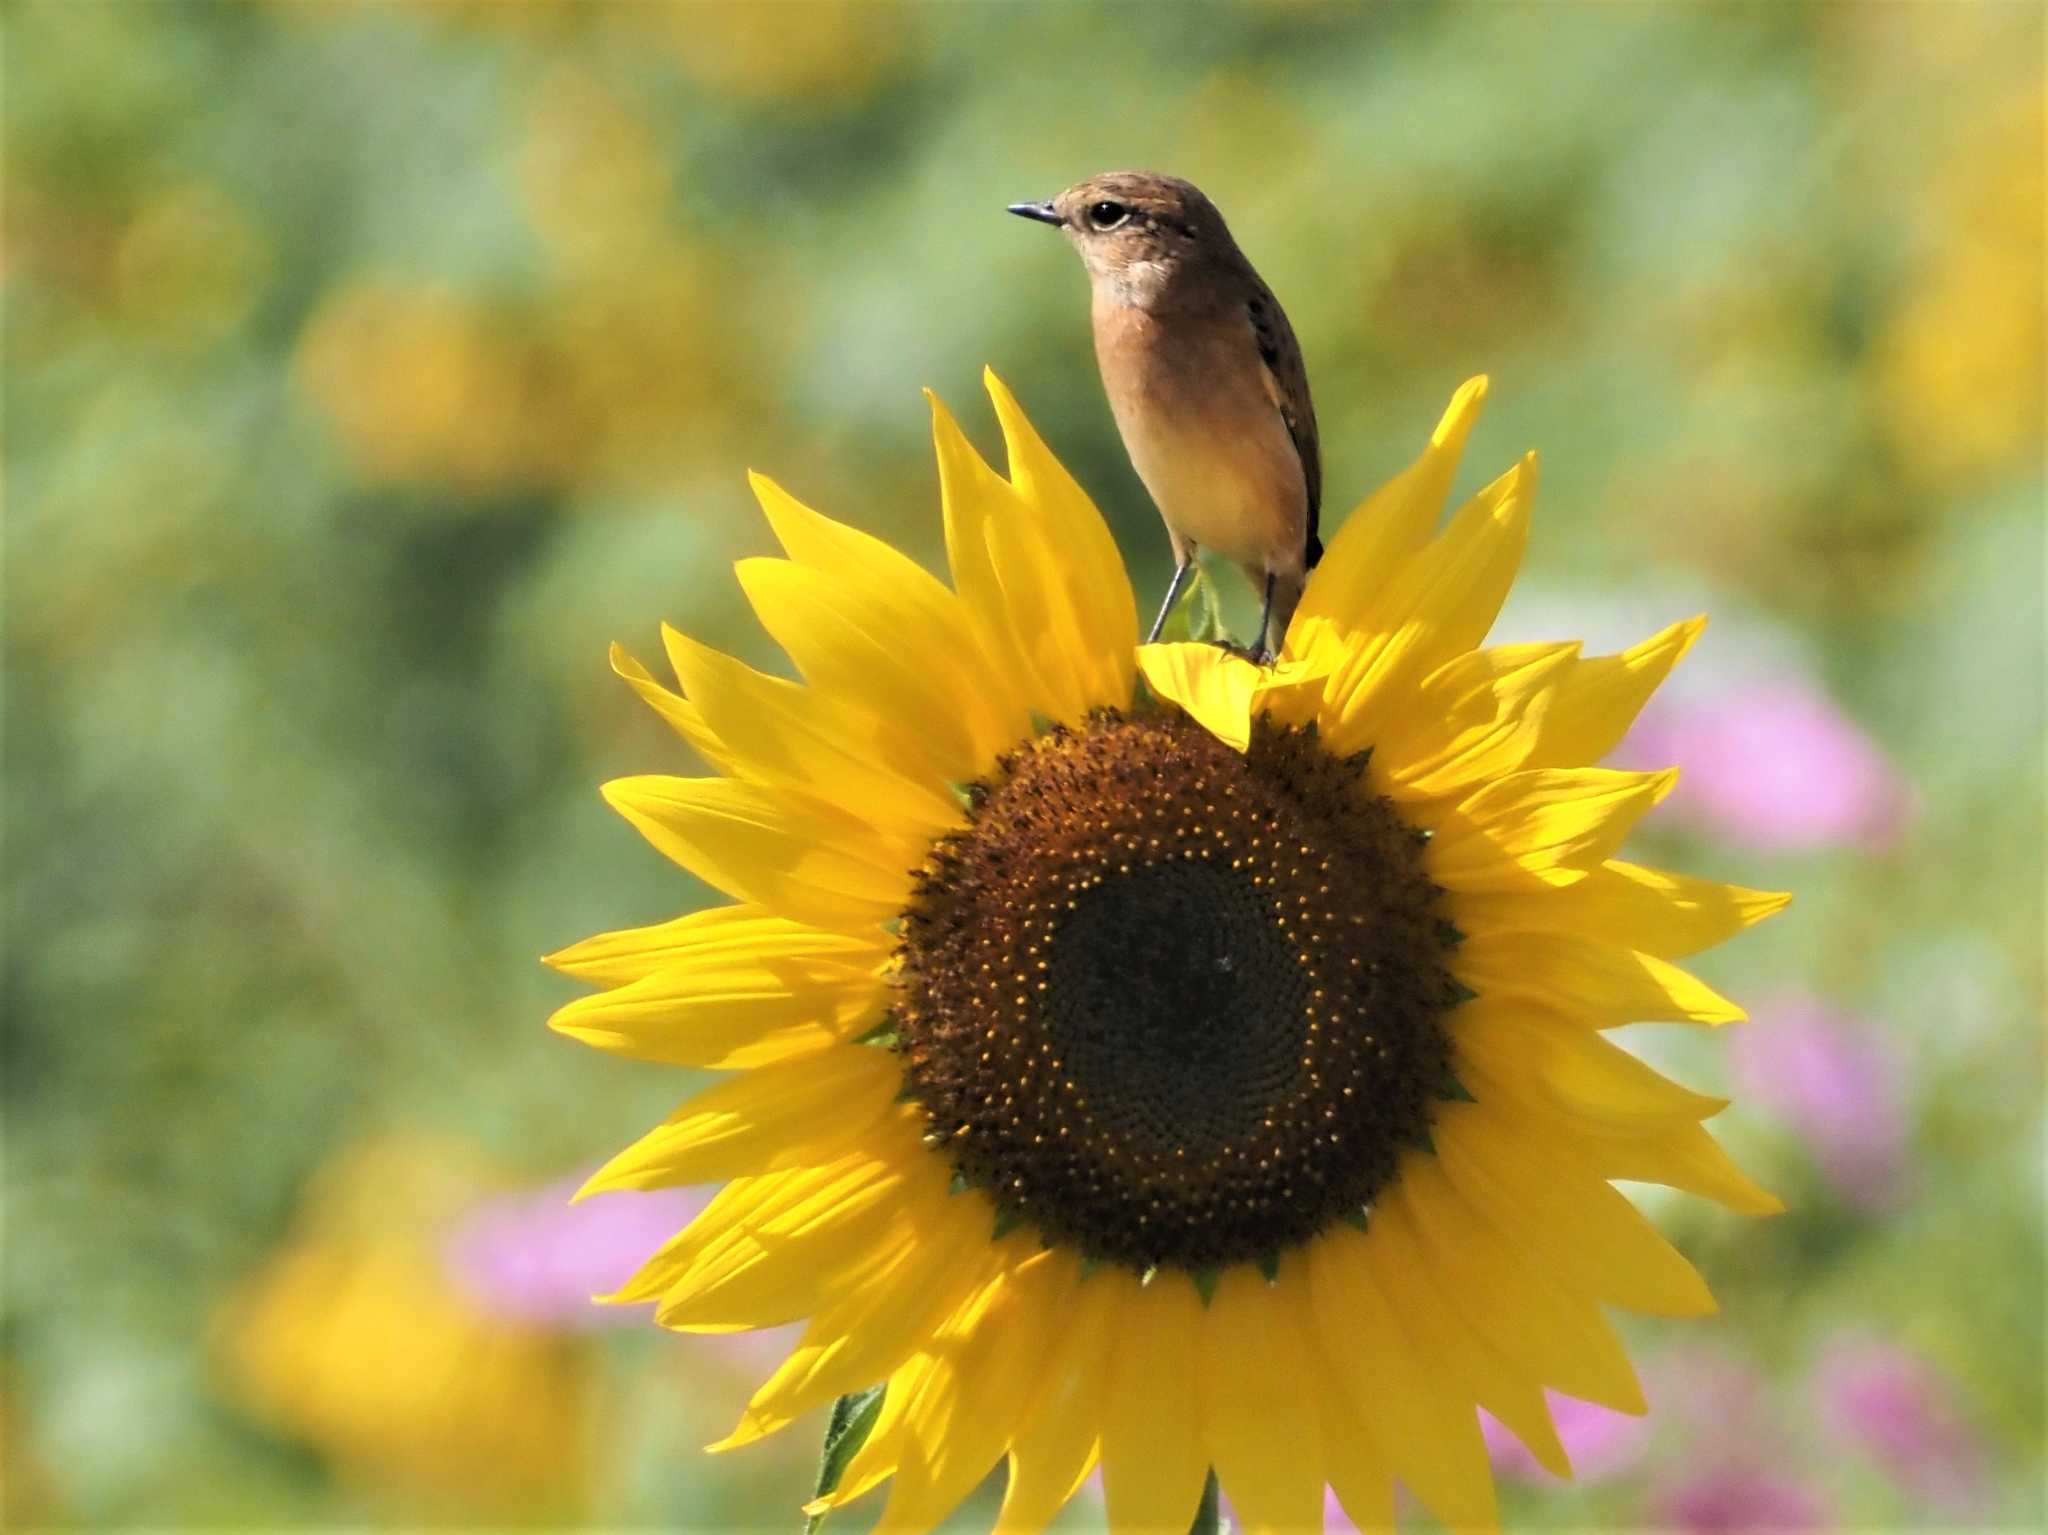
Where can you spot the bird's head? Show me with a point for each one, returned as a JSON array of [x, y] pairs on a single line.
[[1136, 231]]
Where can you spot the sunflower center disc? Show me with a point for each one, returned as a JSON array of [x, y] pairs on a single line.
[[1174, 1004]]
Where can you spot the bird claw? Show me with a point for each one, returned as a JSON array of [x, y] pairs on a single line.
[[1258, 655]]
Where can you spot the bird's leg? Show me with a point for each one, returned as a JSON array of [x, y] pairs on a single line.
[[1262, 652], [1174, 588]]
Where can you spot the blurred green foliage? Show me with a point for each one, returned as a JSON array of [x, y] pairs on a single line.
[[370, 367]]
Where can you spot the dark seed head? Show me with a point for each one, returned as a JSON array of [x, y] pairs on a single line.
[[1176, 1005]]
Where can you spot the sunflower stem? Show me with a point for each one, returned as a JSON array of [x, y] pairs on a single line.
[[1208, 1517]]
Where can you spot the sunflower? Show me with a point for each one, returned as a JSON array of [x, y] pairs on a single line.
[[1146, 1059]]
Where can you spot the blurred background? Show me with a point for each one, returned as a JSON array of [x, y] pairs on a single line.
[[370, 367]]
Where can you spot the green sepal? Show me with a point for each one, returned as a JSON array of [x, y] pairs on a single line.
[[1449, 1087], [1007, 1221], [1269, 1265], [1448, 933], [970, 795], [893, 926], [1042, 724], [1461, 993], [1359, 761], [1358, 1218], [885, 1034], [1209, 1513], [853, 1419], [958, 1183], [1091, 1265], [1198, 616], [1205, 1282]]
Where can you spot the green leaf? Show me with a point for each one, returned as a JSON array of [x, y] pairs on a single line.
[[853, 1419]]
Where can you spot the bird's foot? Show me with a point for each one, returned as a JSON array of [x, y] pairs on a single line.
[[1258, 655]]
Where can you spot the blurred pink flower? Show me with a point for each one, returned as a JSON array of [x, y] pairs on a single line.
[[534, 1257], [1738, 1498], [1835, 1080], [1771, 762], [1600, 1441], [1894, 1406]]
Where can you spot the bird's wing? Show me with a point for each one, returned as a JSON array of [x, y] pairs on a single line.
[[1287, 384]]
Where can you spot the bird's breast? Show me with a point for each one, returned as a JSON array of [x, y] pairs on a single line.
[[1197, 417]]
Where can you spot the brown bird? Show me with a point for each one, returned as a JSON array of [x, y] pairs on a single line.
[[1205, 380]]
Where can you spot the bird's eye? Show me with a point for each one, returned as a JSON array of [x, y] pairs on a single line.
[[1107, 215]]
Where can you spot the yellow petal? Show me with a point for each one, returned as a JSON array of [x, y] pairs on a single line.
[[1439, 604], [1546, 826], [725, 1011], [1554, 1336], [1414, 1287], [1661, 913], [682, 716], [1058, 1431], [1601, 696], [798, 858], [612, 959], [1212, 686], [1030, 576], [1263, 1446], [779, 732], [1590, 1235], [800, 1112], [1428, 1429], [1387, 527], [1599, 984], [1218, 689], [1681, 1156], [991, 1353], [779, 1262], [1010, 624], [1153, 1465], [1356, 1466], [1687, 1157], [876, 655], [889, 1441], [876, 1321], [888, 593], [1106, 614], [1474, 719], [751, 1219], [1547, 1059]]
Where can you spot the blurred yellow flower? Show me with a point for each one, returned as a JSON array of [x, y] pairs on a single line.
[[590, 176], [354, 1340], [423, 387], [619, 377], [1197, 1072], [796, 53], [1961, 368]]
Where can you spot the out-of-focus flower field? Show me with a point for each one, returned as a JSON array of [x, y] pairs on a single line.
[[370, 367]]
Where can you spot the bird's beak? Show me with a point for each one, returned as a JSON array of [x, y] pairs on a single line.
[[1045, 213]]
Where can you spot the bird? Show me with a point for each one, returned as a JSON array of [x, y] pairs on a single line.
[[1205, 380]]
